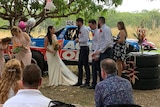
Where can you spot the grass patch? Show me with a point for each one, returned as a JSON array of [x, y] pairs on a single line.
[[85, 97]]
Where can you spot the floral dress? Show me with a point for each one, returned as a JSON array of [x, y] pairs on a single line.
[[119, 52]]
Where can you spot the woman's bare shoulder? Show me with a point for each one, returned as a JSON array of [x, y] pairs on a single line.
[[54, 35], [46, 39], [122, 32], [24, 33]]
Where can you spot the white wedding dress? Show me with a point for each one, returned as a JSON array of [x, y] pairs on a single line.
[[58, 72]]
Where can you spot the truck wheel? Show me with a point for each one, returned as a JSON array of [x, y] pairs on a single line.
[[147, 84], [148, 60], [38, 58], [33, 61], [148, 72]]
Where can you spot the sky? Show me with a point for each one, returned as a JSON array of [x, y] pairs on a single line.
[[138, 5]]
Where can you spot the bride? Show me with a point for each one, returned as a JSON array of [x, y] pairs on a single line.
[[58, 72]]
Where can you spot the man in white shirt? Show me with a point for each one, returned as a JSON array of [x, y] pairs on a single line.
[[83, 54], [95, 58], [106, 40], [29, 96]]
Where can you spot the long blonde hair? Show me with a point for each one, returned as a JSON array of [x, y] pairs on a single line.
[[15, 29], [11, 73]]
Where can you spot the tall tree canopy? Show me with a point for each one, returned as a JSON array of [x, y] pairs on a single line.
[[15, 10]]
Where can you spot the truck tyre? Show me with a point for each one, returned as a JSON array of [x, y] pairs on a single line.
[[148, 60], [148, 72], [147, 84], [38, 57]]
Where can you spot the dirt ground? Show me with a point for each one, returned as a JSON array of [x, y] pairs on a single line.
[[85, 97]]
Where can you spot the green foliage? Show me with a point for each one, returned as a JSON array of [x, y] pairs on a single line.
[[3, 22], [150, 19], [14, 10], [117, 2], [36, 6], [112, 17]]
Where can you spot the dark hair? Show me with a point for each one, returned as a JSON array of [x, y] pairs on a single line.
[[59, 104], [93, 21], [108, 65], [102, 19], [7, 39], [80, 20], [49, 36], [31, 76], [122, 27]]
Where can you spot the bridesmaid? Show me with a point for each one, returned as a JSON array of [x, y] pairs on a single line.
[[22, 40], [4, 45]]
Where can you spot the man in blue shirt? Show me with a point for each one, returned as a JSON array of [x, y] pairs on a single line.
[[83, 53], [113, 89]]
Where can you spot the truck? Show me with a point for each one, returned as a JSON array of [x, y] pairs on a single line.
[[70, 49]]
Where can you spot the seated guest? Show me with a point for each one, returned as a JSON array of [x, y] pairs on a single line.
[[113, 89], [29, 96], [10, 81]]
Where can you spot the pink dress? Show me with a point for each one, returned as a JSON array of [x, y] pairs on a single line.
[[2, 61], [24, 55]]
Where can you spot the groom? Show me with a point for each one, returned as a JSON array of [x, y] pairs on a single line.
[[84, 53]]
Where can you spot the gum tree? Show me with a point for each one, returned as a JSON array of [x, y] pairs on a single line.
[[15, 10]]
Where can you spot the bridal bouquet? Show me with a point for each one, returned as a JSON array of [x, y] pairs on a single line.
[[56, 45], [17, 48]]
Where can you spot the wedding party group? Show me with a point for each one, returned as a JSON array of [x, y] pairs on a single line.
[[20, 80]]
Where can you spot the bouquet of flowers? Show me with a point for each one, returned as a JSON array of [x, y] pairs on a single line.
[[17, 48], [57, 44], [140, 35]]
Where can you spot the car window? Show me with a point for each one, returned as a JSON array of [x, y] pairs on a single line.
[[71, 34]]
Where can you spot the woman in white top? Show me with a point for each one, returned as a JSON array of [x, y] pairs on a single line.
[[58, 72], [10, 82]]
